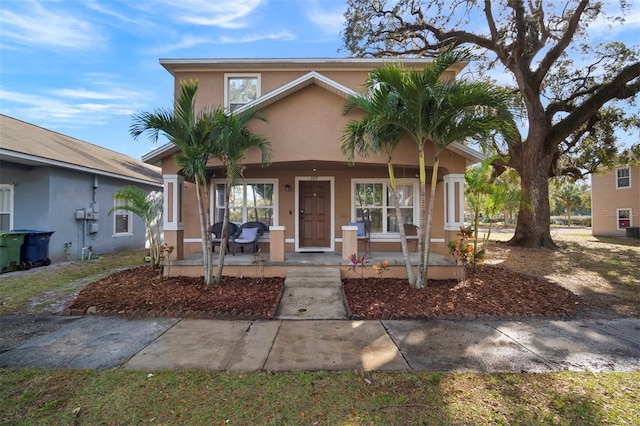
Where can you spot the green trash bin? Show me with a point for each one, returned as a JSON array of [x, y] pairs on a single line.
[[10, 243]]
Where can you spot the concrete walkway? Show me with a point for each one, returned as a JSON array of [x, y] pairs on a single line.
[[311, 333], [312, 293], [285, 345]]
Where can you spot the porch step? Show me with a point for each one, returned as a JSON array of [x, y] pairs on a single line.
[[312, 293]]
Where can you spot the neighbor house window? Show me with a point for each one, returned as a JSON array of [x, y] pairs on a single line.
[[624, 218], [6, 207], [373, 201], [240, 89], [122, 219], [248, 202], [623, 177]]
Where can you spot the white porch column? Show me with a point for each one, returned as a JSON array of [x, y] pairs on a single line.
[[453, 202], [173, 225]]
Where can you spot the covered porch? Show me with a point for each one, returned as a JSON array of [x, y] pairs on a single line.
[[248, 265]]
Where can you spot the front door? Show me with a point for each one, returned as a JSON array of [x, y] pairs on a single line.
[[315, 214]]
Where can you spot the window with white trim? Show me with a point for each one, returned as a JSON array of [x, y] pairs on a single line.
[[122, 219], [6, 207], [373, 201], [240, 89], [624, 218], [248, 202], [623, 177]]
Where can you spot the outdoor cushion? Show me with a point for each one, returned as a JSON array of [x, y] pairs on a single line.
[[360, 225], [248, 234]]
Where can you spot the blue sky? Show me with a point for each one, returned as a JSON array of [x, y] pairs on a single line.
[[83, 67]]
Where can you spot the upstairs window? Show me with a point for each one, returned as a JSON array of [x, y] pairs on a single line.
[[623, 177], [240, 89]]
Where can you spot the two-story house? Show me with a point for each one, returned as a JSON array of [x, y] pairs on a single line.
[[309, 193], [615, 199]]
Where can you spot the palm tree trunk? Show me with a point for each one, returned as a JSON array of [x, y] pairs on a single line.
[[427, 236], [224, 236], [421, 235], [206, 245], [403, 237]]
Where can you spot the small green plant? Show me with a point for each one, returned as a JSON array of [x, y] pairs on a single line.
[[360, 262], [381, 268], [165, 258], [259, 260], [462, 250]]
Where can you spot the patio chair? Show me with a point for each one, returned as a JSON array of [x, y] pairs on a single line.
[[411, 232], [364, 228], [248, 235], [216, 230]]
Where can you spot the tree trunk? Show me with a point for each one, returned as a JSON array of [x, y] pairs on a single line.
[[403, 237], [422, 270], [533, 227], [224, 236], [427, 233], [204, 230]]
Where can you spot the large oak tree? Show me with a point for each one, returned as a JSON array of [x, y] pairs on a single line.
[[572, 106]]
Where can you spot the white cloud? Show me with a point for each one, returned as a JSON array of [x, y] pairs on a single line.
[[330, 21], [220, 13], [88, 94], [30, 24], [103, 9], [282, 36], [185, 42], [70, 107]]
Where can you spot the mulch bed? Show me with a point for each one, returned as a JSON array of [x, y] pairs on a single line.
[[491, 293]]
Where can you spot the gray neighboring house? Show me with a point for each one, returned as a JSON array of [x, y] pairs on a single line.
[[53, 182]]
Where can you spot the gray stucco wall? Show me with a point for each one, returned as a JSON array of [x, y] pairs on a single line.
[[46, 199]]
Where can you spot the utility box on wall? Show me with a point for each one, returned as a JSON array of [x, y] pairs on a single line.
[[80, 214], [93, 228]]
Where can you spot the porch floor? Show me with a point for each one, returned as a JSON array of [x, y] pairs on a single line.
[[312, 259]]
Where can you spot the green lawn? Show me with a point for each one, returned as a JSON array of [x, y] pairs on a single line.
[[118, 397], [41, 286]]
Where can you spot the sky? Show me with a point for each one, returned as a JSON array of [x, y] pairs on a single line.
[[83, 67]]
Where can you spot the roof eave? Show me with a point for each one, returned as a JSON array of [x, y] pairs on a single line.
[[21, 158]]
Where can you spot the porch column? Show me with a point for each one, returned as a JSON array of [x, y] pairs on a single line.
[[173, 225], [276, 243], [349, 241], [453, 205]]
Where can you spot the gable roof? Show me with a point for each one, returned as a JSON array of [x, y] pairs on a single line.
[[25, 143], [313, 77]]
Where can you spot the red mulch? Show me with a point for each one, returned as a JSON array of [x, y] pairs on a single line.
[[491, 292]]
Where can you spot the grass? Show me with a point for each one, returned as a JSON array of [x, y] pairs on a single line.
[[28, 292], [339, 398]]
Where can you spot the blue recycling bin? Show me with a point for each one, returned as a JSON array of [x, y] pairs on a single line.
[[35, 248]]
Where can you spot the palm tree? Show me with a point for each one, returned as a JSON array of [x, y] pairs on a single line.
[[230, 143], [191, 132], [147, 207], [372, 135], [438, 110]]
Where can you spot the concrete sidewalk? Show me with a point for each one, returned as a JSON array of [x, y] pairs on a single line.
[[285, 345]]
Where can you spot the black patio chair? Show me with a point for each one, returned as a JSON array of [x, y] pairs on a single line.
[[248, 235], [216, 231]]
